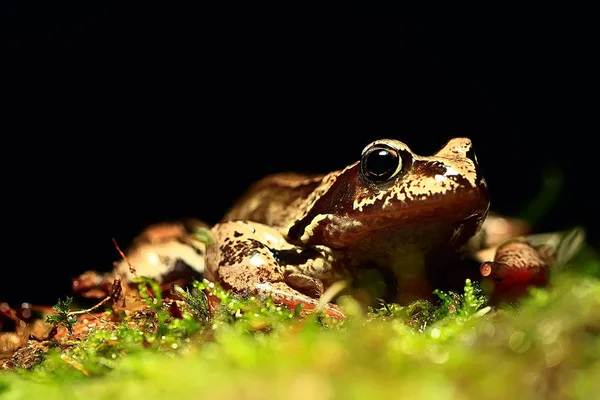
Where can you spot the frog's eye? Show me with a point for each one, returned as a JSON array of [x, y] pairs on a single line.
[[380, 163]]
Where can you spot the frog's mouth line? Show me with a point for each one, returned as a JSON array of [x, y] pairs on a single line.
[[468, 214], [458, 207]]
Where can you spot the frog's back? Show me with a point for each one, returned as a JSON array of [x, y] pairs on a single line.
[[275, 200]]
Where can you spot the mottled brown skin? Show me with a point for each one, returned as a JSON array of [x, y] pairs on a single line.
[[318, 229]]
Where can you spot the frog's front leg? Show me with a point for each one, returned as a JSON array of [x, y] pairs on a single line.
[[252, 258]]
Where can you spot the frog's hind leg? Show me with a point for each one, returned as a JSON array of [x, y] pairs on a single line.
[[243, 259], [526, 261]]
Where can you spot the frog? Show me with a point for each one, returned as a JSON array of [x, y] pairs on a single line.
[[406, 216], [409, 220]]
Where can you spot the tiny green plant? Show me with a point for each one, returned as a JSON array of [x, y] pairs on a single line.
[[462, 305], [196, 300], [63, 314]]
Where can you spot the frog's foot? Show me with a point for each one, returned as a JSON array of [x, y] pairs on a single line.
[[281, 293], [250, 258], [92, 284], [517, 265], [166, 252], [306, 284], [525, 261]]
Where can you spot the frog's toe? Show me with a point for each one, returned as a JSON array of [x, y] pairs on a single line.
[[305, 284], [282, 293], [517, 265]]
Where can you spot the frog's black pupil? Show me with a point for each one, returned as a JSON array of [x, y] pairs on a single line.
[[380, 164]]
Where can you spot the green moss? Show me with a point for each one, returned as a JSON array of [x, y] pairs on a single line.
[[546, 347]]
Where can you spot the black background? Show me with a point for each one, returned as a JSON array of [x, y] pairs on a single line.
[[117, 115]]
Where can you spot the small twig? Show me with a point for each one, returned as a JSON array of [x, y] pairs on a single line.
[[67, 318], [92, 308], [114, 295], [10, 313], [131, 268]]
